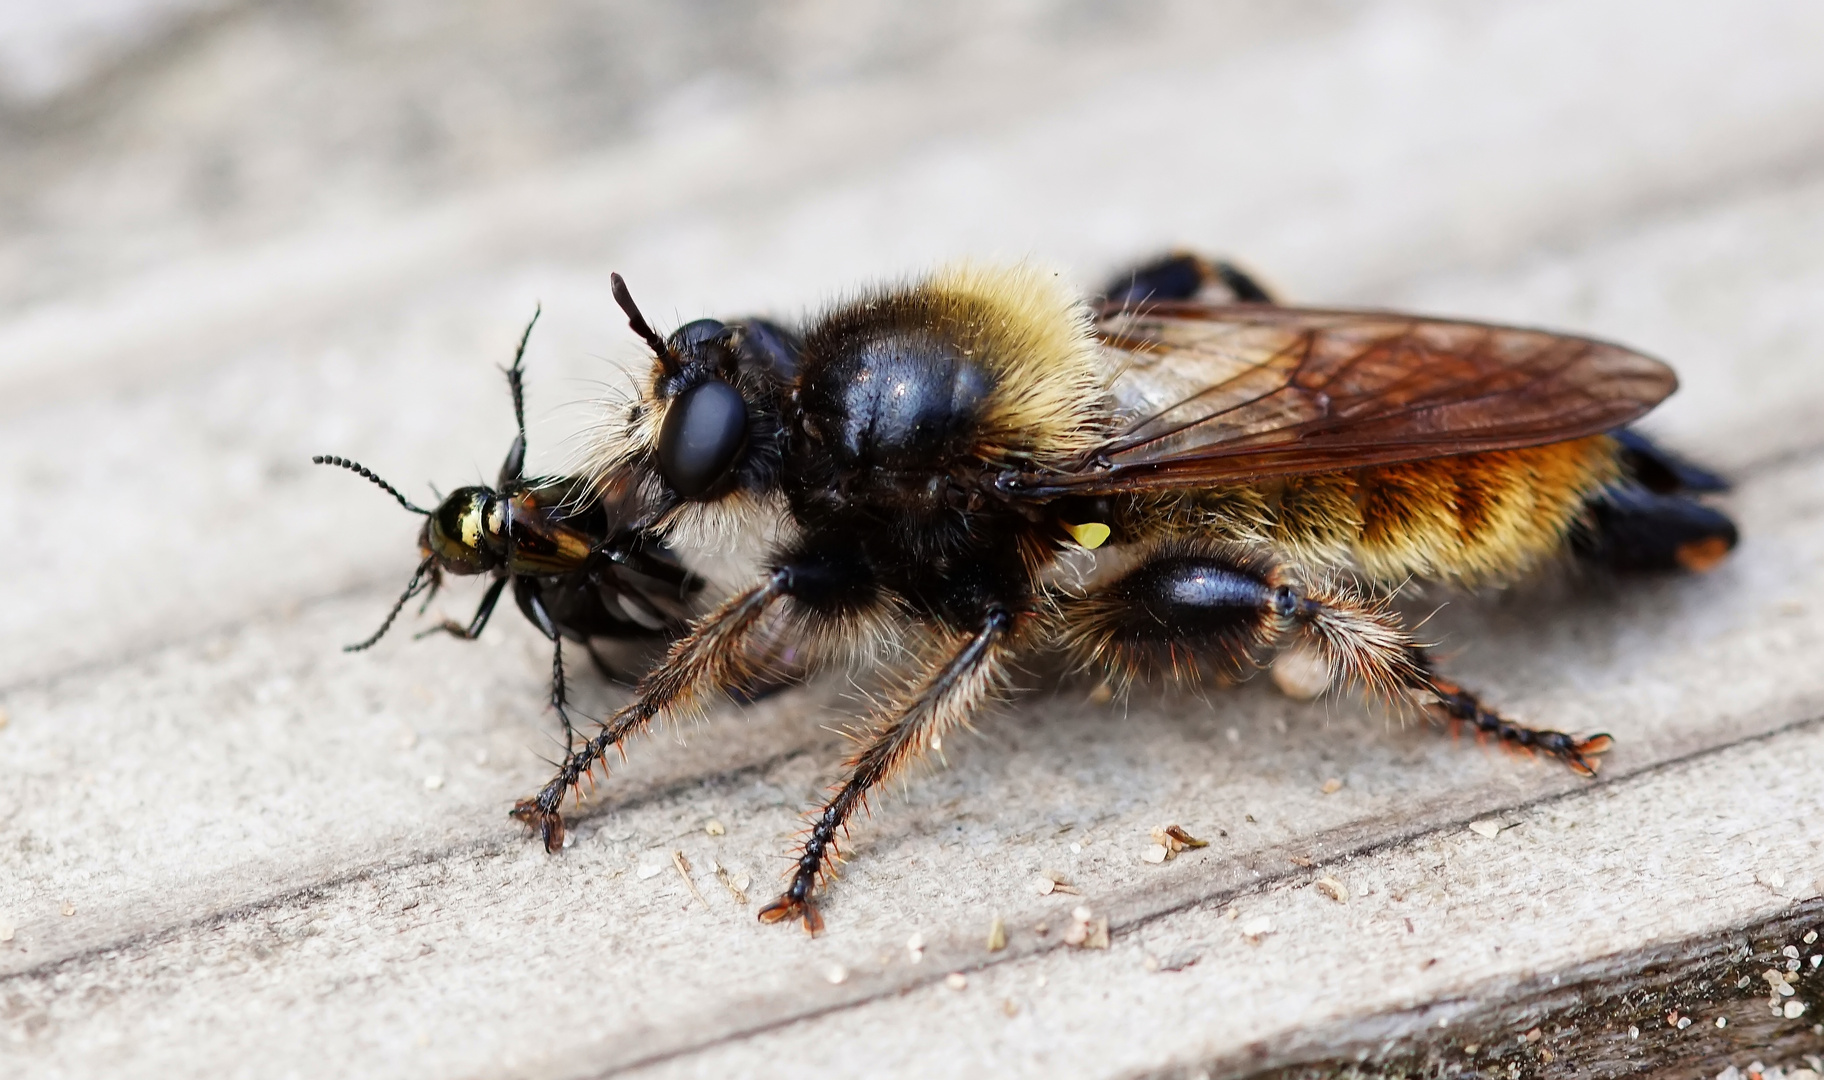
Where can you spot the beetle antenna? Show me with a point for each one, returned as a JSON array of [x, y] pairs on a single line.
[[411, 589], [362, 470], [637, 321]]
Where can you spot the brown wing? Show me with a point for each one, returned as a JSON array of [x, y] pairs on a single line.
[[1225, 393]]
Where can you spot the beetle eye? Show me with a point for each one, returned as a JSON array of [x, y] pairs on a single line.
[[704, 432]]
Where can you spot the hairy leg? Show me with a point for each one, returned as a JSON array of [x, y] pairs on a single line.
[[711, 657], [936, 703], [1187, 613], [1183, 275]]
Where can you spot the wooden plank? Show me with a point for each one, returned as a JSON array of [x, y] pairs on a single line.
[[277, 858]]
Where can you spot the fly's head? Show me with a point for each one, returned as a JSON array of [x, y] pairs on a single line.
[[704, 435]]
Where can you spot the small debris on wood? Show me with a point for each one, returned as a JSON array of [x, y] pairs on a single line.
[[1256, 928], [1086, 931], [1046, 882], [6, 718], [915, 948], [1487, 829], [683, 866], [1791, 952], [1300, 673], [1532, 1036], [1332, 888], [1672, 1019], [997, 935], [736, 885], [1168, 841], [1794, 1009], [1331, 786], [1300, 860], [1101, 694], [433, 783], [7, 930], [650, 866], [836, 974], [1009, 1008], [956, 980], [1810, 938], [1722, 1021], [1633, 1032], [68, 909], [713, 827]]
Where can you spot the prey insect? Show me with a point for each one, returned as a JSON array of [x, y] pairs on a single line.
[[1224, 476], [579, 564]]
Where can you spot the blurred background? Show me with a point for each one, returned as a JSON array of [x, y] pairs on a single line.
[[236, 234]]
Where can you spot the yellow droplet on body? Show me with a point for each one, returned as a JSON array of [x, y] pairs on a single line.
[[1091, 535]]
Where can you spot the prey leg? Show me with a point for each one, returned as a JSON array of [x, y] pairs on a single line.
[[477, 623], [943, 699], [710, 657]]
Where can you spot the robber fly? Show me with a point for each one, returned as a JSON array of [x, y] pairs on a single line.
[[1238, 475], [579, 567]]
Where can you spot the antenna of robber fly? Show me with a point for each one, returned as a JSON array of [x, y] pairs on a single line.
[[412, 589], [362, 470], [638, 322]]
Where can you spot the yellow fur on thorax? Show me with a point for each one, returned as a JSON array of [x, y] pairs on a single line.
[[1034, 334], [1473, 519]]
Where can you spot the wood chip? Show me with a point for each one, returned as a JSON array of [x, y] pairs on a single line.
[[1332, 786], [1168, 841], [997, 935], [956, 980], [1256, 928], [683, 865], [836, 974], [1086, 931], [1487, 828], [7, 930], [714, 828], [68, 909], [1300, 673], [736, 885], [1332, 888]]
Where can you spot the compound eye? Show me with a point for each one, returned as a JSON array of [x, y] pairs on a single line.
[[704, 433]]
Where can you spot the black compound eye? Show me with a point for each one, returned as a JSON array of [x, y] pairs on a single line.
[[704, 432]]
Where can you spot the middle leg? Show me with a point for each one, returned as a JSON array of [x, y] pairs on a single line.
[[937, 703]]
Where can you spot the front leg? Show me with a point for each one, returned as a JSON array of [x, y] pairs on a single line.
[[477, 623], [715, 655], [942, 699]]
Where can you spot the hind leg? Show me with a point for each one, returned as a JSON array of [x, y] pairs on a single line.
[[1183, 275], [1189, 613]]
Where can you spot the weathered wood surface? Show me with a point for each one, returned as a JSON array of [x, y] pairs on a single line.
[[226, 848]]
